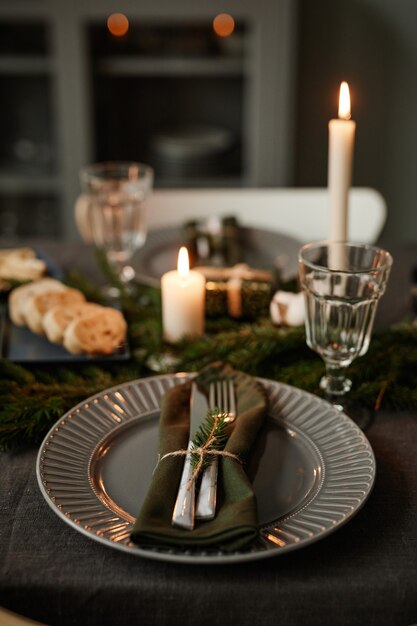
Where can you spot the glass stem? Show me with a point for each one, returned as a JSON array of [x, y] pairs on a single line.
[[334, 383]]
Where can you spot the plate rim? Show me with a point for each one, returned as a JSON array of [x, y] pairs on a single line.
[[186, 556]]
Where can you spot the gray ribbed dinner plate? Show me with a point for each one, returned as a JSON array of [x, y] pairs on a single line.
[[312, 468]]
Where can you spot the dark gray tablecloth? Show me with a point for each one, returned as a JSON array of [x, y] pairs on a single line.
[[365, 573]]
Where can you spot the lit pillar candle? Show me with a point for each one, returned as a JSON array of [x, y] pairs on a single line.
[[183, 301], [341, 145]]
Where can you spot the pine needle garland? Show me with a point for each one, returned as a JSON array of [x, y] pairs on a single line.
[[31, 400]]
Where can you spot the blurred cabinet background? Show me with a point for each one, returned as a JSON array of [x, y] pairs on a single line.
[[204, 110], [373, 45]]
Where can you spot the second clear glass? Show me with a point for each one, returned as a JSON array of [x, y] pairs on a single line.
[[342, 283], [111, 213]]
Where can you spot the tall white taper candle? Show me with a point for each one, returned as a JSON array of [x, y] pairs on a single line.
[[341, 145]]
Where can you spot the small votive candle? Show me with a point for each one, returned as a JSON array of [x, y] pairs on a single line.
[[183, 301]]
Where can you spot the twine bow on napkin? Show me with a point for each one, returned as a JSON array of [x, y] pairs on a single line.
[[235, 525], [201, 455]]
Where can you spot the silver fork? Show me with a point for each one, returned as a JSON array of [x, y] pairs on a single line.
[[221, 396]]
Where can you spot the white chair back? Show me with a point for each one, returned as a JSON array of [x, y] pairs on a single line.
[[302, 213]]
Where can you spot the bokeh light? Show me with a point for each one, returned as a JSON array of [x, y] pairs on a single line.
[[118, 24], [223, 25]]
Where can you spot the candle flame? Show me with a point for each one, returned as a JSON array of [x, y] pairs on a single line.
[[183, 262], [344, 102]]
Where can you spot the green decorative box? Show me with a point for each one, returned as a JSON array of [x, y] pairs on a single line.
[[239, 291]]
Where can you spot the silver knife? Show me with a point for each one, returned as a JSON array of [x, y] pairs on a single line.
[[184, 509]]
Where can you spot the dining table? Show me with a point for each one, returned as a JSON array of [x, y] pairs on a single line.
[[363, 573]]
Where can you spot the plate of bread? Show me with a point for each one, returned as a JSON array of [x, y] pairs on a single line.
[[45, 320]]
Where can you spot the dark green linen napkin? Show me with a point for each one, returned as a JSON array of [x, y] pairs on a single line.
[[235, 524]]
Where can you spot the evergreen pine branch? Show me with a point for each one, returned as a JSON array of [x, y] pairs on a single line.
[[28, 411], [31, 400], [11, 372], [214, 426], [251, 348]]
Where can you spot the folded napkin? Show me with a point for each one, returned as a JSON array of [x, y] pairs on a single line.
[[235, 524]]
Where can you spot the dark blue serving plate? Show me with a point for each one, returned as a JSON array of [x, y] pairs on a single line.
[[20, 345]]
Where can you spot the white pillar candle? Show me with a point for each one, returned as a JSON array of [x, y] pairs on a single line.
[[341, 145], [183, 301]]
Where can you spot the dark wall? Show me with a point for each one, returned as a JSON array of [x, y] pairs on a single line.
[[373, 45]]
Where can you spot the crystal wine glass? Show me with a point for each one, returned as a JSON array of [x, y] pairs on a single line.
[[111, 213], [342, 283]]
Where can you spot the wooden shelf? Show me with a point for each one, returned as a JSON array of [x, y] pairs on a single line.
[[10, 64], [140, 66], [20, 183]]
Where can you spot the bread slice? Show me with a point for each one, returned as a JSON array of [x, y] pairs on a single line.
[[23, 253], [20, 264], [36, 305], [20, 268], [99, 333], [57, 319], [18, 296]]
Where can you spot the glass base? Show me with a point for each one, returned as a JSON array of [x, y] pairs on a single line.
[[127, 274], [163, 362], [362, 416], [122, 286], [114, 292], [335, 385], [111, 293]]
